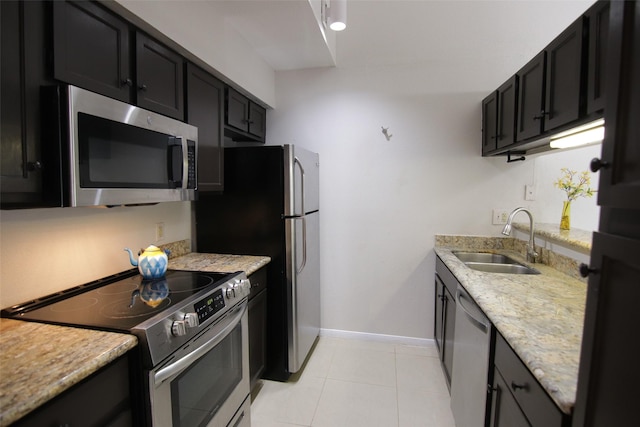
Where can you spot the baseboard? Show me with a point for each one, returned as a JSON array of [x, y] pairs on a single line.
[[364, 336]]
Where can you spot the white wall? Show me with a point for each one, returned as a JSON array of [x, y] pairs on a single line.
[[383, 201], [48, 250]]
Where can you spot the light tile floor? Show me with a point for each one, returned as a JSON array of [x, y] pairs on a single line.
[[353, 383]]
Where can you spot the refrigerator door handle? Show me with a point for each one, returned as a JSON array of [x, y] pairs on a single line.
[[302, 190], [304, 244]]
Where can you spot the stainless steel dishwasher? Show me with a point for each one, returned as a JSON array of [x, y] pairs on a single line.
[[472, 346]]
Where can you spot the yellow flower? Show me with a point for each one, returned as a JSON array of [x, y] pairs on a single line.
[[581, 188]]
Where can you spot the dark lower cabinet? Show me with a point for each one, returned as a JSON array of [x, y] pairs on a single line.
[[103, 399], [205, 107], [445, 321], [519, 400], [257, 325]]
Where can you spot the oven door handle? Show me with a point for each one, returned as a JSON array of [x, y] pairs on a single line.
[[179, 365]]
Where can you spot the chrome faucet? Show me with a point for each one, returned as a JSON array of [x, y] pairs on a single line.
[[531, 250]]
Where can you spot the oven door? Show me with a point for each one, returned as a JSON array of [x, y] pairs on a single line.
[[207, 381]]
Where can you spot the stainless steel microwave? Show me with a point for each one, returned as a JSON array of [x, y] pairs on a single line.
[[114, 153]]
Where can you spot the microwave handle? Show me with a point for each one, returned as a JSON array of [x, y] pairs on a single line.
[[178, 161]]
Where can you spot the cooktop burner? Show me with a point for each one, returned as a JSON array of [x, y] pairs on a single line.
[[119, 303]]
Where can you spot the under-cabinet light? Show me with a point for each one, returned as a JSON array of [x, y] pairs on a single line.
[[591, 133]]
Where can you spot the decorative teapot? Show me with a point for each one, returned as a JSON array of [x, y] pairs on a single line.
[[152, 262]]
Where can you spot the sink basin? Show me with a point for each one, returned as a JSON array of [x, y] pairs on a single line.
[[493, 263], [484, 257], [489, 267]]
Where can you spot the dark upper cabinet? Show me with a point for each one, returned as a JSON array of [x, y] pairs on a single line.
[[489, 122], [28, 166], [244, 119], [92, 49], [598, 16], [159, 78], [205, 109], [564, 77], [507, 104], [531, 98], [619, 185]]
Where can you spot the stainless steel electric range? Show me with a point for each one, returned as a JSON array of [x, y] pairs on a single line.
[[193, 335]]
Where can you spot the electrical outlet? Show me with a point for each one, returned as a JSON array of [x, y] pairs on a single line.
[[529, 192], [159, 231], [500, 216]]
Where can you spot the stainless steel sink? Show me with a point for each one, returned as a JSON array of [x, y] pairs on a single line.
[[493, 263]]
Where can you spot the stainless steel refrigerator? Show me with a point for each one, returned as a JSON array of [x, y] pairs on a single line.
[[270, 206]]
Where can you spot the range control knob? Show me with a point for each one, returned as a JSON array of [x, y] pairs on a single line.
[[178, 328], [231, 291], [191, 320]]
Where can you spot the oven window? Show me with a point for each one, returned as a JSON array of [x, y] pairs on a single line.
[[198, 393]]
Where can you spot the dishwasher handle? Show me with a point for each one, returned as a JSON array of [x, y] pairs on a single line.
[[460, 298]]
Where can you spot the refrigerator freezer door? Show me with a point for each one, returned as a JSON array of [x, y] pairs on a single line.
[[303, 282], [301, 181]]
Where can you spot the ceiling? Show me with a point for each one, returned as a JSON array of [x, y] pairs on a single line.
[[391, 32]]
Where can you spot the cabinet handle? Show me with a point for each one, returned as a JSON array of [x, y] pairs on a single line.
[[597, 164], [34, 166], [126, 82], [541, 116], [585, 270], [143, 88], [516, 387]]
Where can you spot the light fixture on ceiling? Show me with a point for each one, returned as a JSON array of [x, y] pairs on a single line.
[[591, 133], [335, 14]]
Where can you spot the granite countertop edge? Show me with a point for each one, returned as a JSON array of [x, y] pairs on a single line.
[[40, 361], [540, 316], [219, 263]]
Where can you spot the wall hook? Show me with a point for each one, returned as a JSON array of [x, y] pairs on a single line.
[[385, 132]]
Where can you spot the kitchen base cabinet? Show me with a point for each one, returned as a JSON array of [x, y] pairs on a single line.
[[445, 287], [100, 400], [257, 313], [518, 397]]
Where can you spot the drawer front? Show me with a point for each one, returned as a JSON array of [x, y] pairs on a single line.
[[258, 282], [532, 398], [446, 276]]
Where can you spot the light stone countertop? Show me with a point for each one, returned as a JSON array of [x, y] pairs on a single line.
[[219, 263], [40, 361], [540, 316], [579, 240]]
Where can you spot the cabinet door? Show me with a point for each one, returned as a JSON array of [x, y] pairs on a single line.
[[257, 121], [489, 122], [507, 98], [159, 78], [620, 179], [531, 113], [438, 331], [449, 331], [563, 77], [505, 411], [237, 111], [91, 49], [23, 162], [609, 372], [598, 17], [205, 103], [257, 336]]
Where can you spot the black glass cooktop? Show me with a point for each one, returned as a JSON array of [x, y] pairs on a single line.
[[118, 303]]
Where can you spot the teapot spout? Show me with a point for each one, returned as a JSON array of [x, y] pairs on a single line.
[[134, 262]]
